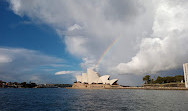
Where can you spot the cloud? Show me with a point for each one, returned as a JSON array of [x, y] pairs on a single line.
[[5, 59], [167, 49], [76, 45], [59, 65], [24, 64], [74, 27], [153, 33], [67, 72], [88, 27]]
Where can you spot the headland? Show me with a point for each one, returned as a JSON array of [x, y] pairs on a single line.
[[107, 86], [92, 80]]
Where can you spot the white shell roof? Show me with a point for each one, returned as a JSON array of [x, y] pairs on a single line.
[[79, 78], [84, 78], [104, 79], [93, 77]]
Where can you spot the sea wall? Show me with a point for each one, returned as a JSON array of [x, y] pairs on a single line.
[[165, 85], [94, 86], [146, 87]]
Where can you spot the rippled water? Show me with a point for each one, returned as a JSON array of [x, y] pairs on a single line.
[[99, 100]]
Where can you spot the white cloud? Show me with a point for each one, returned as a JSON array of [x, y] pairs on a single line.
[[75, 45], [153, 32], [67, 72], [59, 65], [88, 63], [17, 5], [5, 59], [17, 63], [74, 27], [167, 49]]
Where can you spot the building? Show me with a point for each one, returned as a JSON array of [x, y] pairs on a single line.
[[185, 69], [92, 77]]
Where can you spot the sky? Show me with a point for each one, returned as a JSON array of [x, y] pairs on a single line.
[[52, 41]]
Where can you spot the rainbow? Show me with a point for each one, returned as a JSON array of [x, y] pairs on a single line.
[[107, 50]]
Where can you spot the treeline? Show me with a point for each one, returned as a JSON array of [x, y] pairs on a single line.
[[160, 80], [4, 84]]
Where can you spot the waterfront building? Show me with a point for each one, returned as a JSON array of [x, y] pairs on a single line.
[[92, 77], [185, 69]]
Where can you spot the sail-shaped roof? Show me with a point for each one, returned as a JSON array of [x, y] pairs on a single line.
[[79, 78], [93, 77], [84, 78]]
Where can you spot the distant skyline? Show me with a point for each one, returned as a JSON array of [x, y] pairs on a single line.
[[48, 41]]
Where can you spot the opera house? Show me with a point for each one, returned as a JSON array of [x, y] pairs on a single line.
[[91, 79]]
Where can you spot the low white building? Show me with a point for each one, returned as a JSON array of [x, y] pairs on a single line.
[[185, 69], [92, 77]]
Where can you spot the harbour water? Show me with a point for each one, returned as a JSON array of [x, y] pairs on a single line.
[[59, 99]]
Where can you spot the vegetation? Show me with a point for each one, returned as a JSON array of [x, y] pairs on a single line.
[[63, 85], [161, 80], [28, 85], [147, 79], [4, 84]]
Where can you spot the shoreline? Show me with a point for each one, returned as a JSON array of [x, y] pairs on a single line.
[[144, 87], [141, 88]]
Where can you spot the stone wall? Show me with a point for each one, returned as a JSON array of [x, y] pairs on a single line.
[[93, 86], [165, 85]]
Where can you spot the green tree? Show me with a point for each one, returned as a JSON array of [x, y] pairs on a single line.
[[152, 81], [179, 78], [159, 80], [147, 79]]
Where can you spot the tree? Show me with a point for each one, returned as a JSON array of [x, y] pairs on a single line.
[[23, 84], [179, 78], [159, 80], [147, 79]]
